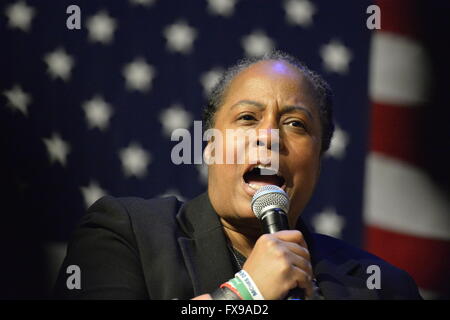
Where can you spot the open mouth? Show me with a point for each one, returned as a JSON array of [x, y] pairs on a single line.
[[258, 176]]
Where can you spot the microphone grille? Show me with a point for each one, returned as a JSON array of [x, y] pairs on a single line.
[[269, 196]]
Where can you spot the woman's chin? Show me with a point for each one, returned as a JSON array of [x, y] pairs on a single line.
[[246, 217]]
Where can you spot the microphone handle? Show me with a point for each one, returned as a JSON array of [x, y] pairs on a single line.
[[273, 221]]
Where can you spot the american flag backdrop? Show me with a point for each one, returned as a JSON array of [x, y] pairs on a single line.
[[90, 111]]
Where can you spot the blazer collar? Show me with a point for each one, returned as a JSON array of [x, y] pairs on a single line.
[[204, 246]]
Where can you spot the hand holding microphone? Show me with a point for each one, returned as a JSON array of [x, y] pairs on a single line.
[[280, 259]]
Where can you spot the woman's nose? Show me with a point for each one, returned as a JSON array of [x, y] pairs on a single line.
[[266, 138], [268, 135]]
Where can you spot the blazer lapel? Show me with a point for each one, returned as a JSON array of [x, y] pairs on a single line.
[[204, 247]]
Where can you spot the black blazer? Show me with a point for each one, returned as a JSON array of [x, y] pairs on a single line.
[[131, 248]]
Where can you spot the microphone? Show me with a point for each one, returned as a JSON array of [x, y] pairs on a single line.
[[270, 204]]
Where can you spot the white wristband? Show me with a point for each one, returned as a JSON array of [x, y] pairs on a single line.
[[250, 285]]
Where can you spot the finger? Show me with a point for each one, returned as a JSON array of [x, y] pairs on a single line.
[[290, 236], [303, 264], [298, 250], [304, 281], [303, 242]]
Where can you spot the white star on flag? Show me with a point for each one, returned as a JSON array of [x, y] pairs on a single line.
[[336, 57], [221, 7], [17, 99], [20, 15], [257, 44], [98, 112], [180, 37], [328, 222], [299, 12], [139, 75], [92, 193], [57, 149], [101, 27], [145, 3], [338, 144], [134, 160], [59, 64], [209, 79], [173, 118]]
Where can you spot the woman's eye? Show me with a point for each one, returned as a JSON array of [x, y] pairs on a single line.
[[247, 117], [297, 124]]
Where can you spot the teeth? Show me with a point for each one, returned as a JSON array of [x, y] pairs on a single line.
[[254, 186]]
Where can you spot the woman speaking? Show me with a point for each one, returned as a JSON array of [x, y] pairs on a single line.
[[213, 247]]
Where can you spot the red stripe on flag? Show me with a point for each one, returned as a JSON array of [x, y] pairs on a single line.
[[401, 17], [396, 132], [426, 260]]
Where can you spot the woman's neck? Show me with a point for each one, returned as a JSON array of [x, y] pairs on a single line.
[[242, 239]]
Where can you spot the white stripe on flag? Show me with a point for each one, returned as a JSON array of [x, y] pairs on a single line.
[[399, 70], [400, 197]]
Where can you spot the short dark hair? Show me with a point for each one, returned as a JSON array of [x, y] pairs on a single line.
[[322, 92]]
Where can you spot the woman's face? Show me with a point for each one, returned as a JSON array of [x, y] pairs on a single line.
[[266, 96]]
